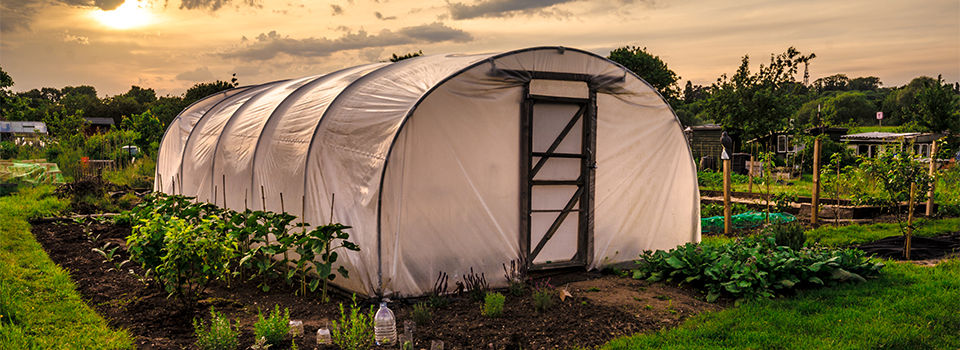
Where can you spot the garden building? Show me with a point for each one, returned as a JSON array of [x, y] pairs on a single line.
[[871, 144], [450, 162]]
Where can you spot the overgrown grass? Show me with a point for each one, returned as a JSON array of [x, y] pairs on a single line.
[[855, 234], [908, 307], [39, 305]]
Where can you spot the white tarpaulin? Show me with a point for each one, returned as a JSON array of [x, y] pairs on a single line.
[[450, 162]]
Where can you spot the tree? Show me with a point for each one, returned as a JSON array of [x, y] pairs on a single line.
[[201, 90], [836, 82], [865, 84], [758, 103], [396, 58], [651, 68], [141, 95], [148, 130], [936, 108]]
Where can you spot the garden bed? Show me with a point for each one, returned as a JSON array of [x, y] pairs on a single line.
[[921, 248], [602, 307]]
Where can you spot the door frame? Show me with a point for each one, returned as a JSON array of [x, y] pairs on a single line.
[[584, 255]]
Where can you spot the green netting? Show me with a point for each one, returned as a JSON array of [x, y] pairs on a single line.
[[32, 173], [741, 221]]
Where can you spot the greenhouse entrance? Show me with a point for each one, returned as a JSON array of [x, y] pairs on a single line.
[[558, 130]]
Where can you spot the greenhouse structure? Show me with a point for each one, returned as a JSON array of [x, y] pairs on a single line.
[[552, 156]]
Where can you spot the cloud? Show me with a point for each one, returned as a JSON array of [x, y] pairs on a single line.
[[269, 45], [380, 16], [17, 15], [79, 39], [499, 8], [337, 10], [199, 74]]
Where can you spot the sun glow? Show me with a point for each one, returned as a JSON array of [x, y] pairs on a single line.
[[130, 14]]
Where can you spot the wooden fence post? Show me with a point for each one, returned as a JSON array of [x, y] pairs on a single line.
[[815, 200], [933, 180]]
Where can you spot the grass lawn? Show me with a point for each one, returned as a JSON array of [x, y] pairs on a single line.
[[908, 307], [855, 234], [39, 306]]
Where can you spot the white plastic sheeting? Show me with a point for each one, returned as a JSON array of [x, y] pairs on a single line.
[[423, 159]]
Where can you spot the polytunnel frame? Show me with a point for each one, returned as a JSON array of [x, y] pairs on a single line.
[[370, 75], [173, 182], [393, 142]]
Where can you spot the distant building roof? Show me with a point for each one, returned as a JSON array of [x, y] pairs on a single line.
[[23, 127], [99, 121], [880, 136]]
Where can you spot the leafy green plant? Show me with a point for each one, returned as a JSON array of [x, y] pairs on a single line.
[[754, 267], [354, 329], [319, 249], [493, 304], [544, 296], [219, 334], [274, 327], [438, 296], [193, 257], [515, 277], [783, 201], [788, 235], [421, 314], [110, 256]]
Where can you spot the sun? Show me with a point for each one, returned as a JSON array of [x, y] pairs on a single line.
[[130, 14]]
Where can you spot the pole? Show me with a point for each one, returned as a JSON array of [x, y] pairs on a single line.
[[906, 249], [933, 182], [815, 202], [750, 175], [726, 196]]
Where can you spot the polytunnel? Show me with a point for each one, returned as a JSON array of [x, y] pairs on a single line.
[[552, 156]]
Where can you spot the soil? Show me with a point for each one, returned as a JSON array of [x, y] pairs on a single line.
[[921, 248], [598, 308]]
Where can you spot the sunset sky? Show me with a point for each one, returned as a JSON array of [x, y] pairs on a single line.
[[170, 45]]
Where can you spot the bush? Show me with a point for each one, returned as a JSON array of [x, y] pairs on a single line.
[[220, 334], [753, 268], [354, 330], [789, 235], [714, 209], [543, 296], [493, 304], [421, 314], [273, 328]]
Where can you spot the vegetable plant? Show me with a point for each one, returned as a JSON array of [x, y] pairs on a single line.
[[544, 296], [493, 304], [354, 329], [421, 313], [219, 334], [274, 327]]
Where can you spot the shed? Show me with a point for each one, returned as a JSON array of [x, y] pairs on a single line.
[[444, 163], [870, 144]]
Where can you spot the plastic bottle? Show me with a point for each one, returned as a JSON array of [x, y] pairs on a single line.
[[323, 334], [385, 326]]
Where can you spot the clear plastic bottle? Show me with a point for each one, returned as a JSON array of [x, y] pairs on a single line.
[[385, 326], [323, 334]]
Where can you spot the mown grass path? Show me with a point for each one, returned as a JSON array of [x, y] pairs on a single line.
[[39, 305]]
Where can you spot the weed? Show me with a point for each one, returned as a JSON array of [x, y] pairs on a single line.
[[515, 277], [220, 334], [544, 295], [421, 314], [493, 304], [354, 331], [593, 289], [274, 327], [661, 297], [438, 296]]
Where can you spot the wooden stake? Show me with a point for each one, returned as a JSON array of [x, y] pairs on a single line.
[[245, 208], [282, 210], [750, 175], [333, 197], [214, 194], [224, 179], [815, 202], [767, 172], [906, 249], [836, 210], [263, 199], [726, 196], [933, 180]]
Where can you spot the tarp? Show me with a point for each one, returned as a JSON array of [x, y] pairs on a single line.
[[423, 159], [32, 173]]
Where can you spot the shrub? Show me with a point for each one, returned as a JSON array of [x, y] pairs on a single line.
[[354, 330], [145, 242], [220, 334], [475, 285], [493, 304], [273, 328], [788, 235], [543, 296], [753, 268], [716, 209], [421, 314]]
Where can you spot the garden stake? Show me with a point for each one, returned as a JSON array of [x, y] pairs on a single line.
[[836, 210], [726, 196], [815, 200], [263, 199], [750, 175], [767, 170], [283, 211], [933, 180], [214, 194], [913, 190], [224, 190]]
